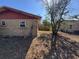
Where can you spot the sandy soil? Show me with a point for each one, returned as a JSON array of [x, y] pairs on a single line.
[[41, 46], [71, 36]]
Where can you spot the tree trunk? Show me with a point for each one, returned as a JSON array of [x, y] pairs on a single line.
[[54, 39], [52, 52]]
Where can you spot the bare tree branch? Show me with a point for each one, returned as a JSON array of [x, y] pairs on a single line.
[[56, 9]]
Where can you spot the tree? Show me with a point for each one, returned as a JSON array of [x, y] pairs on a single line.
[[56, 9], [46, 22], [76, 17]]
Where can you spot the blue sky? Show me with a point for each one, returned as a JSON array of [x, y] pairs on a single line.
[[35, 7]]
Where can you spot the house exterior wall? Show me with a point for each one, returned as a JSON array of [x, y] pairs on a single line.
[[76, 26], [67, 24], [12, 27]]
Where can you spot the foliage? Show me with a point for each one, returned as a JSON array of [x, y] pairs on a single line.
[[44, 28], [46, 22]]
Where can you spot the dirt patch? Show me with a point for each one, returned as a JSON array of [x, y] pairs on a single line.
[[71, 36], [41, 48]]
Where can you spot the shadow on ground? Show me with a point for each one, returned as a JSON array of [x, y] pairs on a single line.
[[65, 49], [14, 48], [41, 48]]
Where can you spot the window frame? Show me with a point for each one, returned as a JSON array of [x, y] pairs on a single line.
[[3, 23], [22, 24]]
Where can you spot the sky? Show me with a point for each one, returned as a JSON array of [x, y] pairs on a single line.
[[35, 6]]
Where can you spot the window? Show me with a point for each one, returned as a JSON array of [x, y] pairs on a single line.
[[22, 24], [70, 26], [3, 23]]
